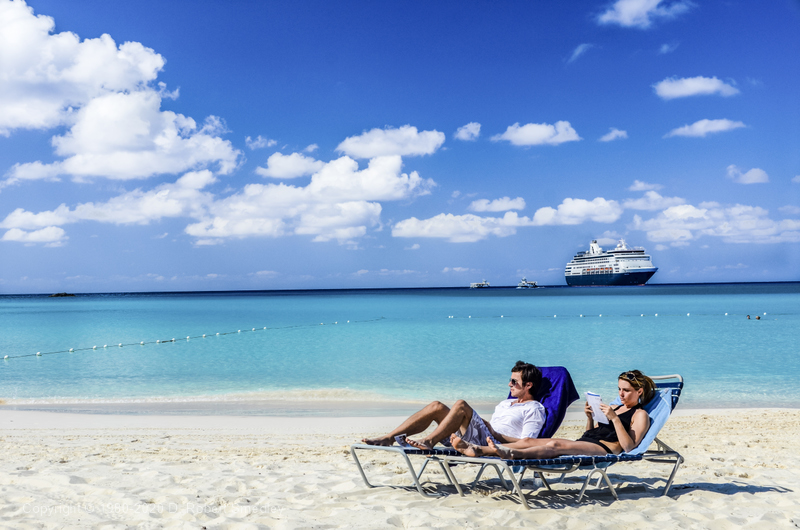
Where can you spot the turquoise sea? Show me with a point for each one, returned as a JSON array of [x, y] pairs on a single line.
[[384, 351]]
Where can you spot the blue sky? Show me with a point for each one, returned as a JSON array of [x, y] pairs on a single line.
[[159, 146]]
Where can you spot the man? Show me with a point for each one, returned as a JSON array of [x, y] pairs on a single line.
[[520, 416]]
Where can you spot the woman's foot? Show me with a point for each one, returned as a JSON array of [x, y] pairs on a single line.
[[465, 448], [420, 445], [499, 450]]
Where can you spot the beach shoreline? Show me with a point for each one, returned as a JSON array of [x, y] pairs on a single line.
[[151, 471]]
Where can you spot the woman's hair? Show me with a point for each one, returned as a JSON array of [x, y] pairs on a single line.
[[638, 380]]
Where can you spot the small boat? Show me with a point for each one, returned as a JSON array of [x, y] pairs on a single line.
[[525, 284], [479, 285]]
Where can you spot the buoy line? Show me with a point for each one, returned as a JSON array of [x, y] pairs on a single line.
[[188, 337]]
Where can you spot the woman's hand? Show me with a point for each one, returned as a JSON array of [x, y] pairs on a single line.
[[587, 409], [608, 411]]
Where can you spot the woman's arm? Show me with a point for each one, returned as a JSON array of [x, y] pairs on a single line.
[[587, 409], [640, 423]]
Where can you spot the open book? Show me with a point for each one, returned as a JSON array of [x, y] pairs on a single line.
[[594, 402]]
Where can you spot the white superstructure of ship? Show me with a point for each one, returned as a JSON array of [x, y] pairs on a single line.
[[621, 266]]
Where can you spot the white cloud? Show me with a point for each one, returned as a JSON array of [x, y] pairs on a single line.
[[652, 201], [455, 269], [311, 148], [105, 95], [753, 176], [668, 48], [470, 228], [339, 203], [53, 236], [415, 246], [404, 141], [796, 179], [702, 128], [497, 205], [538, 134], [259, 143], [641, 13], [468, 132], [674, 87], [264, 274], [282, 166], [578, 211], [679, 225], [46, 76], [578, 51], [613, 134], [638, 185], [789, 210], [126, 136], [183, 198]]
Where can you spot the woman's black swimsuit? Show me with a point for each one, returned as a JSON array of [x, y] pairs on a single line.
[[605, 432]]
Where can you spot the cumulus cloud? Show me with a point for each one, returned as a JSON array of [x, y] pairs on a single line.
[[796, 179], [638, 185], [468, 132], [642, 13], [104, 94], [339, 203], [679, 225], [282, 166], [404, 141], [46, 76], [702, 128], [259, 142], [497, 205], [652, 201], [182, 198], [674, 87], [578, 51], [613, 134], [538, 134], [789, 210], [311, 148], [455, 269], [52, 236], [469, 228], [752, 176]]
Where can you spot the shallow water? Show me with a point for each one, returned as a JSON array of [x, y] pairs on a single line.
[[399, 346]]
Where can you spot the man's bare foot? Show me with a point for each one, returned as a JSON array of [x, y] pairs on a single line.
[[419, 445], [383, 440], [465, 448], [499, 450]]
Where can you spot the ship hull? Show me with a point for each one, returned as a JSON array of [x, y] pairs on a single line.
[[624, 278]]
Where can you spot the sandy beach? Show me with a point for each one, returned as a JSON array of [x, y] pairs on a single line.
[[63, 470]]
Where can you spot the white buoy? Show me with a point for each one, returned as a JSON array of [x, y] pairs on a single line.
[[38, 353], [142, 343], [581, 316], [239, 331], [641, 315], [105, 345], [347, 322], [726, 314], [265, 327], [204, 335], [72, 349], [253, 329], [765, 314], [6, 357], [94, 347], [173, 339], [656, 314], [501, 316], [187, 337], [470, 316], [217, 333], [321, 324], [158, 341], [120, 345], [601, 315], [687, 314], [554, 316]]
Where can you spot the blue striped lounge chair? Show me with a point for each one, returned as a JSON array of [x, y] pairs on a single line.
[[556, 393], [659, 410]]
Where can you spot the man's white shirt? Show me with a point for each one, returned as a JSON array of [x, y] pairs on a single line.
[[518, 420]]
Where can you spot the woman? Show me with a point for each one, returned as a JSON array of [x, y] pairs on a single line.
[[627, 425]]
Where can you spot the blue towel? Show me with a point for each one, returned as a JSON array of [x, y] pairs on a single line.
[[556, 393]]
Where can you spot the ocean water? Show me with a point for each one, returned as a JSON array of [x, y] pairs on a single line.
[[385, 351]]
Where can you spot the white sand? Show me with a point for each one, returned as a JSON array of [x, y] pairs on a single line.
[[104, 471]]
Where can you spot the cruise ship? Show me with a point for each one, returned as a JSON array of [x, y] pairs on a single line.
[[621, 266]]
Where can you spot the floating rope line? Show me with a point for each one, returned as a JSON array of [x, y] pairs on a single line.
[[188, 337]]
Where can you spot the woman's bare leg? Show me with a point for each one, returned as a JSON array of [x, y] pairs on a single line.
[[551, 448]]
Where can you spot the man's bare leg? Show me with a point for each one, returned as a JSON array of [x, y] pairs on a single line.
[[416, 423], [457, 418]]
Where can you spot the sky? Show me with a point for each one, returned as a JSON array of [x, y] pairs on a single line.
[[198, 145]]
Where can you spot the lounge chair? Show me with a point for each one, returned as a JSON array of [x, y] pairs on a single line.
[[556, 393], [659, 410]]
